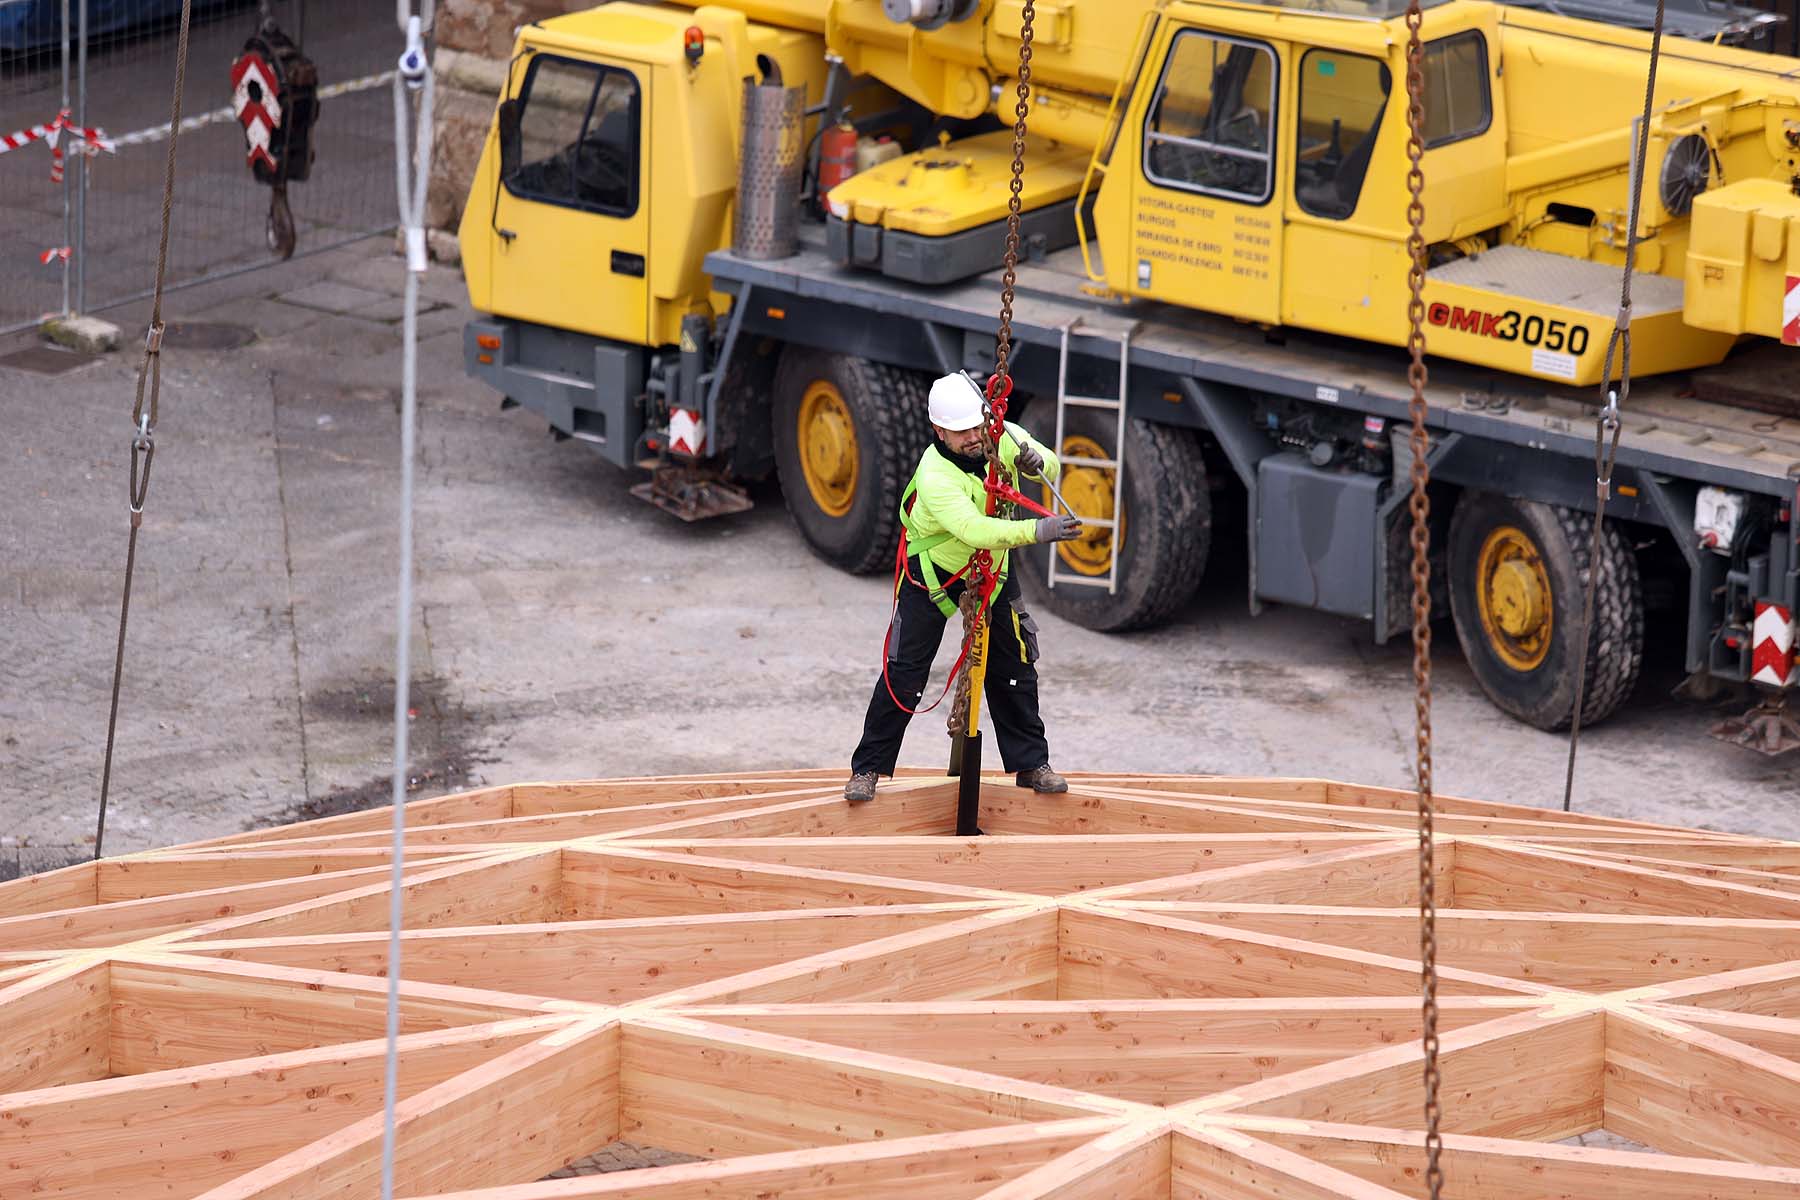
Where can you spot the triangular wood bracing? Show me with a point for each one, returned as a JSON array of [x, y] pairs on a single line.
[[1152, 987]]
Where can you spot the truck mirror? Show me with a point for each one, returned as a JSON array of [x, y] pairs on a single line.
[[509, 138]]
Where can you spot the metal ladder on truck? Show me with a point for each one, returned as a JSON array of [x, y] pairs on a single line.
[[1116, 464]]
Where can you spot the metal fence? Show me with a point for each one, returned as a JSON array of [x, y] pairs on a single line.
[[119, 79]]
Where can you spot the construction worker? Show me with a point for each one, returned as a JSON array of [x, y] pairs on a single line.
[[944, 511]]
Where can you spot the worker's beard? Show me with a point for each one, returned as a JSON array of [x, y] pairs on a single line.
[[974, 464]]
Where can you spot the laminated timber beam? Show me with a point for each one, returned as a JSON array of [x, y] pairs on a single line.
[[1152, 988]]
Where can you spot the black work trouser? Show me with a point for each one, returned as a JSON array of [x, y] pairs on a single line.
[[1012, 682]]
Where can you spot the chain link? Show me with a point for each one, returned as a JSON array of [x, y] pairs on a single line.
[[1420, 506], [969, 605], [995, 414], [999, 388], [1010, 277]]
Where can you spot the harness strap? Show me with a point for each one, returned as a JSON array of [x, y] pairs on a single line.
[[935, 586]]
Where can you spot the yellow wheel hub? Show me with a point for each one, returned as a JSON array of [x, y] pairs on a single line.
[[1512, 590], [1089, 491], [826, 436]]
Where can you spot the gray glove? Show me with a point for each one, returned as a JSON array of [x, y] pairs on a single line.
[[1058, 529], [1028, 461]]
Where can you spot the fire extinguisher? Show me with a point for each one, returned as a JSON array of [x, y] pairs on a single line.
[[275, 95], [837, 157]]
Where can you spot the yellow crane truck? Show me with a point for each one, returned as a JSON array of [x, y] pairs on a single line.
[[1213, 297]]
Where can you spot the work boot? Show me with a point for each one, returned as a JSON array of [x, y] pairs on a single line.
[[861, 787], [1043, 779]]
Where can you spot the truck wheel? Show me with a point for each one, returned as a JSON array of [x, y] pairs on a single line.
[[848, 435], [1162, 538], [1518, 579]]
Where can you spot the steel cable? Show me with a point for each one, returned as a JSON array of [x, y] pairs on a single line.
[[412, 166], [1606, 421], [143, 419]]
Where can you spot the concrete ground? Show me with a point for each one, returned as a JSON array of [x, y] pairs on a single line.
[[566, 629]]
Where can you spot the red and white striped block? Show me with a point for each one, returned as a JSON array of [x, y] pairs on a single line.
[[687, 432], [259, 114], [55, 252], [1790, 312], [1772, 649]]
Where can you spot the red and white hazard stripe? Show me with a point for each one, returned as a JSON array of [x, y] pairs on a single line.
[[260, 115], [687, 432], [1790, 312], [24, 137], [56, 252], [85, 140], [95, 139], [1772, 651]]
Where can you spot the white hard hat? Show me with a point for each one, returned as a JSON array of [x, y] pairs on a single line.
[[956, 402]]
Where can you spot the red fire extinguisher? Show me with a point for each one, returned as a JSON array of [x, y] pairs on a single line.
[[837, 157]]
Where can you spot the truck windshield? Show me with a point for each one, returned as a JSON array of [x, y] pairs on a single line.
[[1370, 10], [579, 127]]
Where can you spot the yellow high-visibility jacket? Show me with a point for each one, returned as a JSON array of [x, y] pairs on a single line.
[[944, 508]]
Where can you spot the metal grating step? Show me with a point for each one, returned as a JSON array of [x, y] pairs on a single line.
[[1104, 581]]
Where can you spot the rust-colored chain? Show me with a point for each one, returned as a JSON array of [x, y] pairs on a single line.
[[990, 450], [999, 387], [1003, 342], [1421, 600], [969, 605]]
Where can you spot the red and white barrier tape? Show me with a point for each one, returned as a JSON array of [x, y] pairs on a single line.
[[84, 140], [24, 137]]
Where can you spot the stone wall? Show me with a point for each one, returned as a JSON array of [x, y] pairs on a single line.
[[474, 40]]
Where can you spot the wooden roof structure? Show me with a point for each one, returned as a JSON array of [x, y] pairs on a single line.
[[1152, 987]]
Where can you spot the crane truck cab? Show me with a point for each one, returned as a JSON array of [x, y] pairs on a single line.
[[608, 174], [1226, 183]]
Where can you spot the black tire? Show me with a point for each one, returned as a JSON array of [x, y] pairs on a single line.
[[1543, 694], [887, 410], [744, 408], [1168, 528]]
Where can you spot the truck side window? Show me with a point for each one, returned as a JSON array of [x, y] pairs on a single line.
[[579, 129], [1457, 103], [1342, 98], [1212, 120]]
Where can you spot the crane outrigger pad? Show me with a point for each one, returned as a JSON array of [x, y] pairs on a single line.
[[1153, 986]]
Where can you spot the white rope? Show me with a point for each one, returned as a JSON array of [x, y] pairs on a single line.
[[412, 163], [157, 133]]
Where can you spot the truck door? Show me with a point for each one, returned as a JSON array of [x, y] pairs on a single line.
[[1205, 221], [571, 225]]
